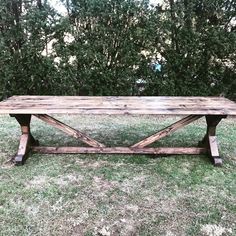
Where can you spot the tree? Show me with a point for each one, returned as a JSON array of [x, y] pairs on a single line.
[[104, 47], [109, 37], [24, 26], [198, 46]]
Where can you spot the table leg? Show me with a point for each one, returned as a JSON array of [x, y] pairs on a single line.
[[26, 140], [210, 140]]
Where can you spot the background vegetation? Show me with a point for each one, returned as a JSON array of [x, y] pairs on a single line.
[[105, 47]]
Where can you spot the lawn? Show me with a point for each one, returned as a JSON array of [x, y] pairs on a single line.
[[117, 194]]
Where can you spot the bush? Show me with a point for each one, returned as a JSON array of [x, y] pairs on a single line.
[[105, 47]]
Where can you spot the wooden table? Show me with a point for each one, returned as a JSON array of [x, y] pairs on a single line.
[[42, 107]]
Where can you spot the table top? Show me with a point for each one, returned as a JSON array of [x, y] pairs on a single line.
[[118, 105]]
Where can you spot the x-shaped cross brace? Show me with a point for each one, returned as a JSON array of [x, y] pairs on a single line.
[[208, 144]]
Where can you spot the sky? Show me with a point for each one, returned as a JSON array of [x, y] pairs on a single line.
[[61, 9]]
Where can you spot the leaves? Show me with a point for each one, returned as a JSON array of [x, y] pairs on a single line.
[[105, 47]]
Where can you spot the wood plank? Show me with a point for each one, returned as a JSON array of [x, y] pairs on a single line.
[[23, 150], [214, 151], [95, 111], [121, 150], [125, 98], [166, 131], [24, 140], [117, 105], [68, 130], [213, 146], [117, 102]]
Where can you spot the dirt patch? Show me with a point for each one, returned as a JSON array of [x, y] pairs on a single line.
[[102, 185], [32, 210], [129, 186], [38, 182], [122, 227], [215, 230], [64, 180], [169, 233], [96, 164]]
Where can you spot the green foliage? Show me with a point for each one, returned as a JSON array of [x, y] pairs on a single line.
[[108, 38], [198, 44], [105, 47], [25, 29]]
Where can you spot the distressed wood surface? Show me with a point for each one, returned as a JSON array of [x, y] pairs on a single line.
[[118, 105], [213, 146], [214, 152], [23, 148], [122, 150]]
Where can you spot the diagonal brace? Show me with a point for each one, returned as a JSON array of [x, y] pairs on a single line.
[[69, 130], [166, 131]]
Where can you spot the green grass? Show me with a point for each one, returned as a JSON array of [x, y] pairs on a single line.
[[117, 194]]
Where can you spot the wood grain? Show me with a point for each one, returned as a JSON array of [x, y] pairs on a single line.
[[122, 150], [24, 140], [118, 105], [213, 146]]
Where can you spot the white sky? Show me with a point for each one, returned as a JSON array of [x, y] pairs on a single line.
[[61, 9]]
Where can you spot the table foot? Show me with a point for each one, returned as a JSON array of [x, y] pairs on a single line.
[[217, 161], [19, 160]]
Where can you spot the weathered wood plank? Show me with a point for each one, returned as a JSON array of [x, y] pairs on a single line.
[[166, 131], [214, 152], [213, 146], [24, 140], [122, 150], [69, 130], [118, 105], [23, 150], [117, 111]]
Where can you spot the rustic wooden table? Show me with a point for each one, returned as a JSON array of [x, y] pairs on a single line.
[[213, 108]]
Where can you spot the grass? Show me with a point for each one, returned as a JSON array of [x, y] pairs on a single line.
[[117, 194]]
